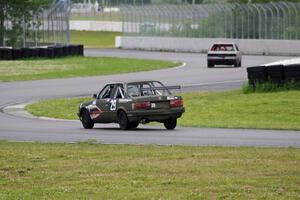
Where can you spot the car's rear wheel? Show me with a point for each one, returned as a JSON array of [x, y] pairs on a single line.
[[123, 120], [236, 64], [134, 125], [86, 120], [170, 124], [210, 65]]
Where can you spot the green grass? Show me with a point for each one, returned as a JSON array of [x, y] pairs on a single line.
[[95, 171], [232, 109], [75, 67], [270, 87], [94, 39], [45, 107]]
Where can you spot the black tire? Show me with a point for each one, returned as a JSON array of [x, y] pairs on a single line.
[[134, 125], [236, 64], [210, 65], [240, 64], [123, 121], [86, 120], [170, 124]]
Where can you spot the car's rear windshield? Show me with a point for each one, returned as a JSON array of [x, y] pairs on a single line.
[[222, 47], [154, 88]]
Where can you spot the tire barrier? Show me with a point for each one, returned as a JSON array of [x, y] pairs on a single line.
[[41, 52], [278, 74], [16, 54], [58, 51], [6, 54], [275, 74], [257, 74], [292, 72]]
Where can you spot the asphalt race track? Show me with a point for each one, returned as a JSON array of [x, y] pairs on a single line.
[[193, 76]]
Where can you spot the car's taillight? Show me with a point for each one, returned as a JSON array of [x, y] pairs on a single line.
[[141, 106], [176, 103]]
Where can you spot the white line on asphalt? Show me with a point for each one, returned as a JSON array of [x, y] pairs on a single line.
[[213, 83]]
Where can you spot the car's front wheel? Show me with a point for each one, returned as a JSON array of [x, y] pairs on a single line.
[[123, 120], [86, 120], [170, 124]]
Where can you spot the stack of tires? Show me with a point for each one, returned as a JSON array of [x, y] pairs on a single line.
[[279, 74], [41, 52]]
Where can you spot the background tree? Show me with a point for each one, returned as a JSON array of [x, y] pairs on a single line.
[[16, 16]]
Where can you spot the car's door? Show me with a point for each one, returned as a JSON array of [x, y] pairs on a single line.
[[119, 100], [106, 104]]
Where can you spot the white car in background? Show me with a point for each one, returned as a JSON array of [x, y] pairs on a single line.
[[224, 54]]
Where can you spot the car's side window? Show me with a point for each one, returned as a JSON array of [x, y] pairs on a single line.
[[106, 93], [120, 93], [146, 90], [133, 90]]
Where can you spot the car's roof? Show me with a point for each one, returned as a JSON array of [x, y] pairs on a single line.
[[144, 81], [133, 82], [223, 43]]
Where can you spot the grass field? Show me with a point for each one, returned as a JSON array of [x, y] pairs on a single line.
[[94, 39], [95, 171], [75, 67], [232, 109]]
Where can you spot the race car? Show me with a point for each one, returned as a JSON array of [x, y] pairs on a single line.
[[132, 103], [224, 54]]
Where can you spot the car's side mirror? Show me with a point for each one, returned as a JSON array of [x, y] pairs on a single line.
[[94, 96]]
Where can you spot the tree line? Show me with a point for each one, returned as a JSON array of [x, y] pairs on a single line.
[[15, 16]]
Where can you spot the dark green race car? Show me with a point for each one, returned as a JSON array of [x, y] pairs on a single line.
[[132, 103]]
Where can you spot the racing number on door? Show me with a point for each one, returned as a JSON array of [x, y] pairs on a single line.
[[113, 105]]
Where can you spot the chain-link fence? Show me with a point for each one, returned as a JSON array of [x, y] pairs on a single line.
[[45, 25], [109, 10], [96, 12], [279, 20]]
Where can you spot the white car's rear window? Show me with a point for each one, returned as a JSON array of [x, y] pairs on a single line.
[[222, 47]]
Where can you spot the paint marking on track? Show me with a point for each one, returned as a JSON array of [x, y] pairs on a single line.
[[212, 83]]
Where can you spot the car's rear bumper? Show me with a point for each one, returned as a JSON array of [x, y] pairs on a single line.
[[155, 115], [222, 61]]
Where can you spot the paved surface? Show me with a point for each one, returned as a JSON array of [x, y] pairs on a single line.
[[195, 76]]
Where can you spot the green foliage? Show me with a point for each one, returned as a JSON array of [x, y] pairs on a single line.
[[20, 14]]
